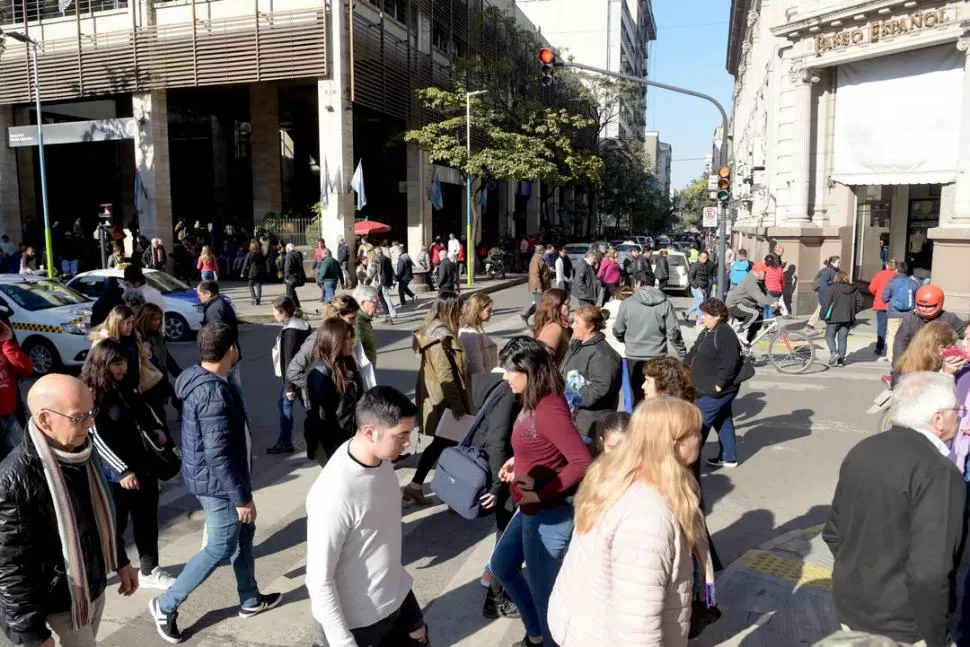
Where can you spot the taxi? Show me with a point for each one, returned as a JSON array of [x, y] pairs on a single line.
[[50, 320]]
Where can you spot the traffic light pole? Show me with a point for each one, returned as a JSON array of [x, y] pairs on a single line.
[[722, 161]]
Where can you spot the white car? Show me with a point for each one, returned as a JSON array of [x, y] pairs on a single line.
[[679, 271], [576, 253], [50, 320], [183, 311]]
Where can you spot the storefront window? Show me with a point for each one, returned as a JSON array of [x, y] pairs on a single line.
[[924, 214], [873, 225]]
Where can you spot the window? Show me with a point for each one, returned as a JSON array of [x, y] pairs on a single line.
[[441, 37], [41, 295], [90, 286], [166, 283], [396, 9]]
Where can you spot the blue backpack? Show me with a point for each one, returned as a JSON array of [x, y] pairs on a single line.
[[739, 269], [904, 294]]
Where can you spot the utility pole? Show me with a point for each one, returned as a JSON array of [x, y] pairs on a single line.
[[469, 243], [722, 154]]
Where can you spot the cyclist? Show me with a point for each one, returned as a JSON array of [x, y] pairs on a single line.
[[746, 302], [929, 307]]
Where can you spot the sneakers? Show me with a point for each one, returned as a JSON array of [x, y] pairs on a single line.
[[280, 449], [717, 462], [525, 642], [165, 623], [158, 579], [499, 605], [266, 602]]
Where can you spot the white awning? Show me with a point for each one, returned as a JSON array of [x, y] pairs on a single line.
[[897, 118]]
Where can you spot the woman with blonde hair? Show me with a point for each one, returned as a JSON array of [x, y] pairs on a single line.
[[150, 328], [120, 326], [925, 352], [637, 513], [481, 352], [207, 265], [551, 323]]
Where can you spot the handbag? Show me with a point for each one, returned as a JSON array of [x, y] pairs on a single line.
[[462, 475], [746, 372], [148, 376], [164, 460]]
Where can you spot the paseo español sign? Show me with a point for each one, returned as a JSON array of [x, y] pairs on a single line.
[[879, 30]]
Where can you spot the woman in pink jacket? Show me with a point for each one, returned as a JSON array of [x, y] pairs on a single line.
[[609, 275], [637, 513]]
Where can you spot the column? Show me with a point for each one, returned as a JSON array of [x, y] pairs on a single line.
[[799, 130], [420, 211], [532, 216], [152, 163], [9, 184], [961, 190], [264, 120], [336, 126]]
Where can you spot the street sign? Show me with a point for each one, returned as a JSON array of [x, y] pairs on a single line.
[[710, 217], [712, 182]]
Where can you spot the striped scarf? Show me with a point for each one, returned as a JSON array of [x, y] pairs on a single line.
[[67, 530]]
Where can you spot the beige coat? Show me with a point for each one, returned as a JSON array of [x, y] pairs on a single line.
[[635, 572], [442, 381], [539, 275]]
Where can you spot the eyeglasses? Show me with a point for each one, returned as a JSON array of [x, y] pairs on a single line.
[[960, 411], [77, 420]]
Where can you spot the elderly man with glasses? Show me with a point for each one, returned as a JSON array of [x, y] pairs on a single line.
[[897, 520], [57, 524]]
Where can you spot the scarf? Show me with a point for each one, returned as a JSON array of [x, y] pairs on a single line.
[[67, 530]]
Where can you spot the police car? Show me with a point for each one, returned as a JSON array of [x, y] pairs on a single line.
[[183, 311], [50, 320]]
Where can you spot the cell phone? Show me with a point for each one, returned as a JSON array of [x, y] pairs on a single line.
[[954, 352]]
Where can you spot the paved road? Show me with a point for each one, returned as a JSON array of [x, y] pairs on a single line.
[[793, 432]]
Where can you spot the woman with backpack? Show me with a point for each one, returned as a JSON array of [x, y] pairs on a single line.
[[294, 333], [822, 284], [839, 308]]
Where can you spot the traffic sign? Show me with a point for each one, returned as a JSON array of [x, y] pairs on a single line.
[[710, 217], [712, 182]]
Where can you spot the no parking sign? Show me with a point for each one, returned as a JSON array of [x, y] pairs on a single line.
[[710, 217]]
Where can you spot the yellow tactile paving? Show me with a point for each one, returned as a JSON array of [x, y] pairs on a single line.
[[792, 570]]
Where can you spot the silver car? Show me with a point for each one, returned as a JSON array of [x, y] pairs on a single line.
[[679, 271]]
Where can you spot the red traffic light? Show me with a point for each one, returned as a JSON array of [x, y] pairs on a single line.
[[547, 56]]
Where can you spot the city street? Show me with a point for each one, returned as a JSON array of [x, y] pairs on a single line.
[[793, 432]]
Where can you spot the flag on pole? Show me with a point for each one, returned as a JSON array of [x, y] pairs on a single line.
[[357, 184], [434, 194], [325, 193]]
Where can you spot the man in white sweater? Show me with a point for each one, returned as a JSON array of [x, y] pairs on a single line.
[[359, 591]]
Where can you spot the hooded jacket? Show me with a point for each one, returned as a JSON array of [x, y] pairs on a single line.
[[602, 367], [442, 381], [748, 293], [215, 444], [845, 301], [647, 324]]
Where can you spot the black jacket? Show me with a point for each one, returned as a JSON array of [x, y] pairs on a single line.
[[148, 258], [117, 439], [32, 581], [112, 297], [493, 429], [585, 283], [846, 302], [602, 367], [701, 275], [447, 275], [405, 268], [342, 253], [293, 267], [219, 310], [254, 266], [661, 267], [331, 418], [715, 360], [387, 271], [640, 270], [294, 333], [895, 529]]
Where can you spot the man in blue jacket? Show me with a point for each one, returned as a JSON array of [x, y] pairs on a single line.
[[216, 456]]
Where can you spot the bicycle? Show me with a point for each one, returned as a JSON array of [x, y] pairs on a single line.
[[790, 351]]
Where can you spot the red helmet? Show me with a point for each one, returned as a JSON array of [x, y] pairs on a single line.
[[929, 301]]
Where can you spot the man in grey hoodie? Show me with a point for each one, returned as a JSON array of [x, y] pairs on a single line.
[[647, 325]]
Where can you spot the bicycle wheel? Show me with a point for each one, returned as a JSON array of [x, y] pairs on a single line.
[[791, 352]]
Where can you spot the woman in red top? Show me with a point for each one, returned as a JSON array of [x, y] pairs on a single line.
[[609, 275], [774, 281], [549, 460]]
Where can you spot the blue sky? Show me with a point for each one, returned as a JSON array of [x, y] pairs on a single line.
[[690, 51]]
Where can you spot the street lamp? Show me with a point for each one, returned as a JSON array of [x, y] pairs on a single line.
[[469, 257], [32, 46]]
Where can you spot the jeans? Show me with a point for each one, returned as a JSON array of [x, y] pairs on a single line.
[[286, 418], [208, 276], [235, 378], [628, 400], [69, 267], [402, 290], [255, 292], [699, 296], [142, 506], [882, 323], [769, 312], [718, 414], [540, 540], [12, 434], [228, 539], [840, 329], [328, 287]]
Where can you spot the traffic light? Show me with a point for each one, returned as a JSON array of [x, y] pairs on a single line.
[[548, 59], [723, 184]]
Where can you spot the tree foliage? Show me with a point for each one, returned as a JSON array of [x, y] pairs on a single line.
[[631, 197], [689, 203]]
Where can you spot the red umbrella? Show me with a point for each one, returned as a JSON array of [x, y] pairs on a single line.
[[367, 227]]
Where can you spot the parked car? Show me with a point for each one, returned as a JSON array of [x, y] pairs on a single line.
[[679, 280], [576, 252], [645, 242], [51, 321], [183, 311]]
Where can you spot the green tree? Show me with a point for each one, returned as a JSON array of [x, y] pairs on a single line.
[[689, 203]]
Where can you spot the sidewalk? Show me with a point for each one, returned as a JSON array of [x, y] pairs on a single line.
[[309, 295], [776, 594]]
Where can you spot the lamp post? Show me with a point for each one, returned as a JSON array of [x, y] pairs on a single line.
[[469, 245], [32, 46]]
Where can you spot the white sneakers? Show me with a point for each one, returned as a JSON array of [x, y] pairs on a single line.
[[159, 579]]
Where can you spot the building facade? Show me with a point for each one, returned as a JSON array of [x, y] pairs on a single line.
[[851, 136], [608, 34], [658, 155], [233, 112]]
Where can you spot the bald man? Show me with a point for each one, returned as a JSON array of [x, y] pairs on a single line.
[[57, 524]]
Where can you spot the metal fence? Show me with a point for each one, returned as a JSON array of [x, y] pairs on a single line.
[[302, 231]]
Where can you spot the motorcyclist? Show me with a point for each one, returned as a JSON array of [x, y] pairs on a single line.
[[929, 307]]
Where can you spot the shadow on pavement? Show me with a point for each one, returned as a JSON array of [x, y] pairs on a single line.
[[773, 430]]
